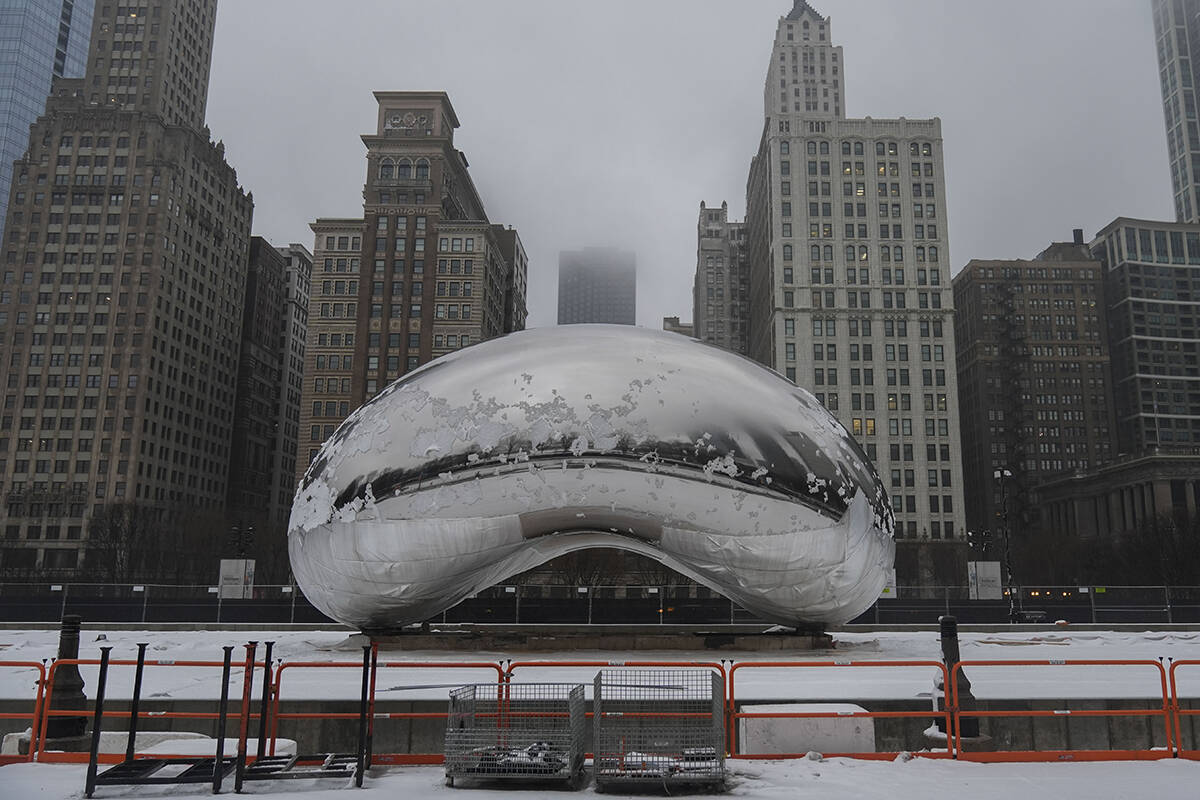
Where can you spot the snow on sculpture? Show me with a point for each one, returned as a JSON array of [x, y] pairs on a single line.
[[496, 458]]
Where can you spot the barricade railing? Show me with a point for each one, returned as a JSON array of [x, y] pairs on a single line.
[[1179, 714], [1065, 753], [111, 758], [732, 714], [276, 715], [34, 717]]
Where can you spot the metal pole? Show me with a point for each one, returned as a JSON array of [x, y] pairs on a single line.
[[222, 713], [243, 728], [145, 600], [371, 708], [362, 717], [589, 607], [1167, 592], [136, 701], [62, 612], [266, 694], [1092, 602], [97, 717], [292, 618]]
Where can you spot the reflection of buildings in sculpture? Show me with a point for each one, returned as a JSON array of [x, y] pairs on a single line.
[[720, 291], [597, 284], [422, 272], [1033, 376], [614, 437], [849, 283]]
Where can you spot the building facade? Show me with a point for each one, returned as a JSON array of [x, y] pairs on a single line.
[[293, 336], [422, 273], [1152, 290], [721, 291], [597, 284], [1177, 39], [40, 40], [1033, 380], [121, 296], [673, 325], [849, 283]]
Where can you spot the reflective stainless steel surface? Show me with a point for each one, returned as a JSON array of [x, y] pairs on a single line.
[[499, 457]]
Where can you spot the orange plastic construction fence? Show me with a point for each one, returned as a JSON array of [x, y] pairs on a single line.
[[112, 758], [1180, 714], [34, 717], [1124, 754], [276, 715], [733, 714]]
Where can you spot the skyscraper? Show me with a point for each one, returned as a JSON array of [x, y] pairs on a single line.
[[721, 292], [40, 40], [422, 273], [849, 280], [1033, 381], [597, 284], [1177, 37], [121, 295]]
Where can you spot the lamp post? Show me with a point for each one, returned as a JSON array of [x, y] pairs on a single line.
[[1002, 475]]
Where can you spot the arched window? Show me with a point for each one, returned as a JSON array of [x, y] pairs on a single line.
[[933, 256], [849, 254], [920, 254], [897, 253], [862, 252], [828, 252], [423, 168], [404, 169], [815, 252], [787, 252], [885, 254], [386, 168]]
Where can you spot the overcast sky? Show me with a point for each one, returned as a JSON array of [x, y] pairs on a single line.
[[607, 122]]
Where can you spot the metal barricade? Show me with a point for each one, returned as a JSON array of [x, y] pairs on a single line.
[[112, 758], [658, 725], [277, 715], [515, 731], [1064, 715], [34, 717], [733, 714], [1184, 733]]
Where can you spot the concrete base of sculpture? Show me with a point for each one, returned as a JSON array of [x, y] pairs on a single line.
[[842, 734], [567, 638]]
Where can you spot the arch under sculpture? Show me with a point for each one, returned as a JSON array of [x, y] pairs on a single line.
[[496, 458]]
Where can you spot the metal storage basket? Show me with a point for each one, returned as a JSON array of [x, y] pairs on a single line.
[[523, 731], [659, 726]]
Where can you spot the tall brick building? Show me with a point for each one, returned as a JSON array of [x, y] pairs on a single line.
[[125, 251], [422, 273]]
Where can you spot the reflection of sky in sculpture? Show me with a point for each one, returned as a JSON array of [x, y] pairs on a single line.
[[592, 401]]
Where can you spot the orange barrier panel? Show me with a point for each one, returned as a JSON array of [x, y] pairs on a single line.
[[110, 758], [1069, 755], [1179, 713], [35, 717], [732, 714], [375, 758]]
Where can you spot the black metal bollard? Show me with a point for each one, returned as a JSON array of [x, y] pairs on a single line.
[[222, 714], [68, 685], [97, 720], [951, 656], [264, 706], [136, 701]]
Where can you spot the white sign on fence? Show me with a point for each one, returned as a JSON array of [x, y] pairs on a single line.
[[237, 579], [983, 580]]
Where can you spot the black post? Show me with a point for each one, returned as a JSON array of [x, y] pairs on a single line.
[[97, 716], [222, 714], [951, 656], [362, 717], [371, 707], [266, 697], [136, 701], [68, 686]]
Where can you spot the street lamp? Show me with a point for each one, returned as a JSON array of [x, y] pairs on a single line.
[[1003, 475]]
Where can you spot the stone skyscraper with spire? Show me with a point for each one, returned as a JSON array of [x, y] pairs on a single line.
[[850, 282]]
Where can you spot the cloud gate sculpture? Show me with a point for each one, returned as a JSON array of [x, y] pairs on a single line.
[[496, 458]]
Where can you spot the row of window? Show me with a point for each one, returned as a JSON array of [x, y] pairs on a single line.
[[851, 147], [828, 376], [827, 326], [892, 352], [862, 276], [924, 211]]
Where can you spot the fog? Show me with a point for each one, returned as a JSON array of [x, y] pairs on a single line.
[[606, 123]]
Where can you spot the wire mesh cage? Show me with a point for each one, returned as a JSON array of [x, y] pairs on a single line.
[[525, 731], [658, 726]]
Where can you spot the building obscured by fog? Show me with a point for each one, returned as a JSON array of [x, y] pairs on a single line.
[[597, 284]]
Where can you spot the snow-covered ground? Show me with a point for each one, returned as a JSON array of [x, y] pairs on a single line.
[[857, 683], [832, 779]]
